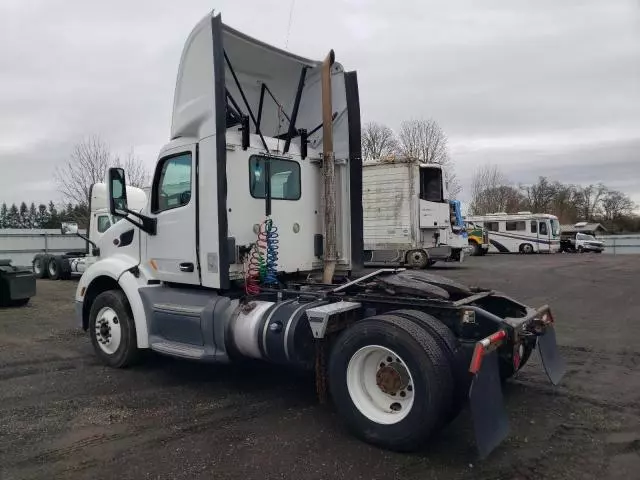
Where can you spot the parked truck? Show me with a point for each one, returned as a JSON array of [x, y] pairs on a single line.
[[408, 218], [250, 247], [478, 239], [73, 264]]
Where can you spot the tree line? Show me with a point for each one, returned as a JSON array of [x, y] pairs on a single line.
[[421, 140], [491, 192], [42, 216]]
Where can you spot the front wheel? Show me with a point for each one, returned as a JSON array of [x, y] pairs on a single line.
[[390, 381], [112, 329], [580, 249]]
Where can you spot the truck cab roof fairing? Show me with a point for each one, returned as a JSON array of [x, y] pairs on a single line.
[[254, 63]]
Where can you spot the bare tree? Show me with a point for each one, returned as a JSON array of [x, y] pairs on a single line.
[[423, 141], [137, 174], [588, 200], [540, 195], [564, 204], [378, 141], [616, 204], [484, 187], [453, 185], [87, 165]]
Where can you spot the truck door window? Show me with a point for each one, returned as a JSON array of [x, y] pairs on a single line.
[[543, 228], [103, 223], [172, 183], [534, 226], [431, 184], [284, 180]]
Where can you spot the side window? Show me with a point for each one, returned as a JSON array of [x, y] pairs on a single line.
[[493, 226], [103, 223], [516, 226], [172, 183], [534, 226], [431, 184], [284, 178], [543, 228]]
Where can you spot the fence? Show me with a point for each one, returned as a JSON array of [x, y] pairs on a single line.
[[621, 244], [21, 245]]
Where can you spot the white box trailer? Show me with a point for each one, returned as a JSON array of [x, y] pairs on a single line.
[[408, 219]]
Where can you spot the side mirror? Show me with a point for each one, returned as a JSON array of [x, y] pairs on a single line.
[[117, 192], [69, 228]]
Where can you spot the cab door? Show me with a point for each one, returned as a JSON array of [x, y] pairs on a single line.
[[172, 252]]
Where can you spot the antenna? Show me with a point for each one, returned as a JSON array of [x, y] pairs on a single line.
[[286, 42]]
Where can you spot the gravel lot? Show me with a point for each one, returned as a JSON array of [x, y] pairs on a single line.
[[63, 415]]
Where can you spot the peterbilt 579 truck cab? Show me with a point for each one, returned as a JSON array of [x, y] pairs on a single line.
[[250, 246]]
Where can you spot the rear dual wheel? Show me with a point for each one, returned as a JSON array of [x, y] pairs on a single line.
[[418, 259], [391, 381]]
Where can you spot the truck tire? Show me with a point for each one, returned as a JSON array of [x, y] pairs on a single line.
[[39, 266], [449, 344], [417, 259], [526, 248], [477, 249], [580, 249], [112, 329], [65, 268], [390, 381], [54, 268]]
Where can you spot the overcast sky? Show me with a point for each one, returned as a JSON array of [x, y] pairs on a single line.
[[544, 87]]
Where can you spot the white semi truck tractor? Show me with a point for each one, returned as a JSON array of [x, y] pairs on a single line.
[[73, 264], [409, 219], [251, 245]]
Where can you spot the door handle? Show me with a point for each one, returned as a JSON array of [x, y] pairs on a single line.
[[186, 267]]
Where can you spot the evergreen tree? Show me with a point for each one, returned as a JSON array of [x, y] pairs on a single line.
[[3, 216], [42, 217], [24, 216], [33, 216], [13, 217], [54, 220]]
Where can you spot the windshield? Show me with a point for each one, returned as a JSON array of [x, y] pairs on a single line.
[[555, 227], [584, 236]]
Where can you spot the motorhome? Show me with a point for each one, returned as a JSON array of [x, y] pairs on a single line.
[[522, 232]]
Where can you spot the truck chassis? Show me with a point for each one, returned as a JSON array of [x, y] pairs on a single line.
[[399, 351]]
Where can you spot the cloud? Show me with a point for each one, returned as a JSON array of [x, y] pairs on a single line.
[[542, 87]]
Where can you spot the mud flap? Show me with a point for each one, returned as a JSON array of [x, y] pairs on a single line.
[[490, 421], [554, 365]]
